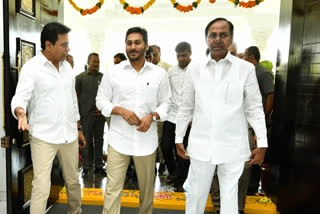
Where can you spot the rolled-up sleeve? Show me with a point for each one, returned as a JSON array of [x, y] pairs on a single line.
[[254, 109], [186, 107], [164, 98], [104, 95], [24, 89]]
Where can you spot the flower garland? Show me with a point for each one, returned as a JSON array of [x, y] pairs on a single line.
[[183, 8], [87, 11], [249, 4], [136, 10]]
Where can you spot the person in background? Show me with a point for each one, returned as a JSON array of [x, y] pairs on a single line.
[[220, 96], [136, 94], [233, 49], [149, 54], [157, 61], [46, 88], [177, 167], [157, 58], [119, 57], [92, 120], [268, 65], [240, 55], [69, 58], [266, 86]]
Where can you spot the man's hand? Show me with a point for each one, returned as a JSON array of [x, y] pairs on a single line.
[[181, 151], [98, 113], [257, 156], [145, 123], [82, 140], [22, 119], [130, 117]]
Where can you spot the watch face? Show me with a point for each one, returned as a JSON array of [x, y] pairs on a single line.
[[154, 117]]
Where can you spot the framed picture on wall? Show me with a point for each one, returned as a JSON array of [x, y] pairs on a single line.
[[27, 8], [25, 51]]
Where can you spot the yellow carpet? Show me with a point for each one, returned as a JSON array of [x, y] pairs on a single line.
[[168, 200]]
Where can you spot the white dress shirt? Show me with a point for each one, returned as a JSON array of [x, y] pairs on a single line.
[[141, 92], [224, 96], [176, 78], [49, 98]]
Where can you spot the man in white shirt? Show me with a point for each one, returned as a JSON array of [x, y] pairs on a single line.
[[177, 167], [136, 94], [221, 95], [156, 59], [46, 90]]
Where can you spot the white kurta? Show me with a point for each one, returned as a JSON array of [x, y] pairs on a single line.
[[224, 97]]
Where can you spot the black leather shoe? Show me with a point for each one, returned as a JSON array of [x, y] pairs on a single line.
[[85, 173], [217, 212], [162, 169], [100, 171], [170, 179], [179, 189]]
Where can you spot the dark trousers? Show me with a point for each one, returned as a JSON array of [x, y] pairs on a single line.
[[254, 180], [168, 146], [182, 167], [93, 128]]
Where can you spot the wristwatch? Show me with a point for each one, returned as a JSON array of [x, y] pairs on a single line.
[[154, 116]]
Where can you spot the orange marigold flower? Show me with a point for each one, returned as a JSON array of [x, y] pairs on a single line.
[[84, 12]]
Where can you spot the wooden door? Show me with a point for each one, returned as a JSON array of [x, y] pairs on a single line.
[[23, 22]]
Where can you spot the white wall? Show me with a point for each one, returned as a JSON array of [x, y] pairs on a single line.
[[104, 31], [2, 151]]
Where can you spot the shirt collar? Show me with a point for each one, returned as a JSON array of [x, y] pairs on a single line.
[[44, 59], [228, 58], [183, 69], [126, 64]]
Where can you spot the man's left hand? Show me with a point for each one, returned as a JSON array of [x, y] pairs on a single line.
[[145, 123], [82, 140], [257, 156], [98, 113]]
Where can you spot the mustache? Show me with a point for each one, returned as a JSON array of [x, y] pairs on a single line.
[[133, 51]]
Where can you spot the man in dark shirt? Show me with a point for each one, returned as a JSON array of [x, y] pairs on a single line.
[[266, 86], [92, 121]]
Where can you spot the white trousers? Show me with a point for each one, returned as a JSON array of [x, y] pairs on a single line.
[[199, 182]]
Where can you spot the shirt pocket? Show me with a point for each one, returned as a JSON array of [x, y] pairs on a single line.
[[233, 93], [150, 92]]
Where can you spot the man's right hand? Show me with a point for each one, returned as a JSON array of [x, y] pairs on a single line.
[[22, 119], [181, 151], [130, 117]]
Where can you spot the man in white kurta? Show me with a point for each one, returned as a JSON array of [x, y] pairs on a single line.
[[135, 93], [221, 95]]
